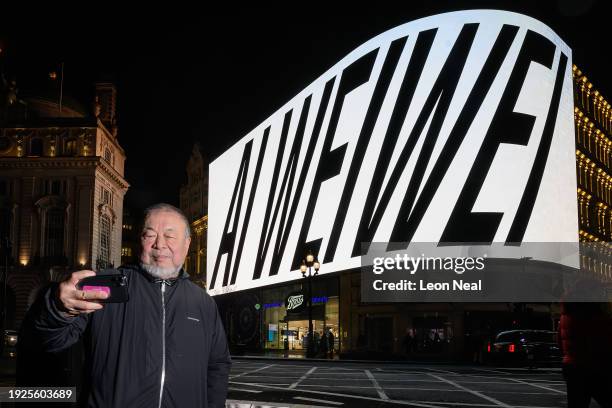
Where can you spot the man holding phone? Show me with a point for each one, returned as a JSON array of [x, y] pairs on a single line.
[[164, 347]]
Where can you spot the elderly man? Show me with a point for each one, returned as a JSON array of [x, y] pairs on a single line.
[[165, 347]]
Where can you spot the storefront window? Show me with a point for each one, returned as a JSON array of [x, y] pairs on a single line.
[[278, 326]]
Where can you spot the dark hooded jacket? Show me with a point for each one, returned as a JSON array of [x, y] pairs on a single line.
[[135, 360]]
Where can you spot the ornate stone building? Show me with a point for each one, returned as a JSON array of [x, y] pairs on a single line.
[[593, 121], [130, 238], [194, 194], [61, 187], [194, 203], [195, 263]]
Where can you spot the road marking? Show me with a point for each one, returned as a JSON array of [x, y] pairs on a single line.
[[319, 400], [266, 375], [553, 369], [379, 390], [409, 380], [360, 387], [395, 373], [490, 371], [302, 378], [275, 384], [478, 394], [321, 376], [244, 390], [497, 382], [504, 378], [472, 404], [440, 371], [321, 372], [252, 371], [337, 394], [538, 386], [427, 380], [339, 368]]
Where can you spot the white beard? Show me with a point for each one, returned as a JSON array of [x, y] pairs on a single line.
[[159, 272]]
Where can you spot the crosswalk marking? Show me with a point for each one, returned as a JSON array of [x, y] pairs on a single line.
[[302, 378], [379, 389]]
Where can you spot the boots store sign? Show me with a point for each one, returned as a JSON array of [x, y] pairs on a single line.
[[295, 302], [452, 128]]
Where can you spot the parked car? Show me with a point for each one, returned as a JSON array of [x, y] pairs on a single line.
[[10, 344], [525, 347]]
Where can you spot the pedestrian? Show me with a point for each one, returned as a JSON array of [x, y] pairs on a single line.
[[286, 346], [315, 343], [164, 347], [330, 343], [408, 342], [323, 345], [585, 337]]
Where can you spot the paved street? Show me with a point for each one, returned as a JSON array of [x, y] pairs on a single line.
[[336, 384], [277, 383]]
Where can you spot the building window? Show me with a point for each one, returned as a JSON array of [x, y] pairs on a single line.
[[36, 147], [70, 149], [54, 245], [106, 197], [126, 251], [105, 240], [108, 156]]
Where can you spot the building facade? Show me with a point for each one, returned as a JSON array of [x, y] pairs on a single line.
[[433, 132], [259, 318], [593, 128], [194, 204], [61, 188], [130, 238], [194, 194], [195, 263]]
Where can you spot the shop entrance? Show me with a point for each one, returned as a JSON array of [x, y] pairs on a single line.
[[280, 325], [296, 331]]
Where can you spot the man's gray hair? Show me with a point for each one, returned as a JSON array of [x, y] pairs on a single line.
[[171, 208]]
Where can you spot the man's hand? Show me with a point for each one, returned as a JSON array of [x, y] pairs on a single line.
[[77, 301]]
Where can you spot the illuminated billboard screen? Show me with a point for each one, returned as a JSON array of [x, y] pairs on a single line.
[[452, 128]]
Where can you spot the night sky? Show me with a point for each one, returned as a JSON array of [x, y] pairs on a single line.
[[191, 75]]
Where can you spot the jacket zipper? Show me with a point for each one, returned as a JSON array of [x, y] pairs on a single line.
[[163, 373]]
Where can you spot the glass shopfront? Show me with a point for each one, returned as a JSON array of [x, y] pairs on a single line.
[[280, 327]]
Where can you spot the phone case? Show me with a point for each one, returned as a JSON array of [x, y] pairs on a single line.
[[112, 282]]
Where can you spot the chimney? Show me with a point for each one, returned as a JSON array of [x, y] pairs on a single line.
[[106, 100]]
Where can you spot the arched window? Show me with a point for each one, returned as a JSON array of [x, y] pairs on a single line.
[[54, 233], [36, 147], [105, 241]]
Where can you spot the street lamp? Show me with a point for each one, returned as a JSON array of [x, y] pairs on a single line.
[[306, 268]]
